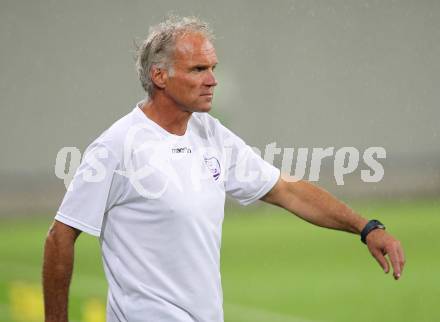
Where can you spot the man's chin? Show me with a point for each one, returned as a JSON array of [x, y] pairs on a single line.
[[207, 109], [202, 108]]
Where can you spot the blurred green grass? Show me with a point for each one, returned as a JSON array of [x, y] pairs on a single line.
[[275, 267]]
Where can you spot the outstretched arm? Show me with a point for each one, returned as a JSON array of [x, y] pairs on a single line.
[[57, 270], [320, 208]]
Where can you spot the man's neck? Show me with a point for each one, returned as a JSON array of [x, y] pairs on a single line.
[[167, 115]]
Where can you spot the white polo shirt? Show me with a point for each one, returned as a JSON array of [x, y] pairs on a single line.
[[156, 200]]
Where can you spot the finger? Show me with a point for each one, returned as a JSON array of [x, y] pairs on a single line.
[[402, 258], [395, 262], [383, 262]]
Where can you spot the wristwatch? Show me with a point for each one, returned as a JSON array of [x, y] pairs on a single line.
[[369, 227]]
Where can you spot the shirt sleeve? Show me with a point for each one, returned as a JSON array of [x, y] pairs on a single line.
[[248, 176], [92, 191]]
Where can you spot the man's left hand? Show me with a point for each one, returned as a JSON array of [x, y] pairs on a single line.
[[380, 243]]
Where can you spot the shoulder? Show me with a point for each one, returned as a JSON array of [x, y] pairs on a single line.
[[212, 129], [210, 125], [114, 137]]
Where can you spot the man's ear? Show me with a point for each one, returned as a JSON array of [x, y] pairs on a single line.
[[159, 76]]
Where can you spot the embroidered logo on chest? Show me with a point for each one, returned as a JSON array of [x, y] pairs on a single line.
[[214, 166]]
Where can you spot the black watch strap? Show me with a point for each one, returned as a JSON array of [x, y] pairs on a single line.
[[369, 227]]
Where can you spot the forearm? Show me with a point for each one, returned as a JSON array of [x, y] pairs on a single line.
[[57, 273], [319, 207], [316, 206]]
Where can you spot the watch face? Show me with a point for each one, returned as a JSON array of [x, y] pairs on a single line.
[[378, 224]]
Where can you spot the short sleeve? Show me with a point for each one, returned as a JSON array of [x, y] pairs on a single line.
[[248, 176], [92, 192]]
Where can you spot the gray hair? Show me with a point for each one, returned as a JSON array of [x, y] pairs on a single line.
[[157, 50]]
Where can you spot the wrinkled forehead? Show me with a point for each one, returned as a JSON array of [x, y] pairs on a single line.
[[194, 47]]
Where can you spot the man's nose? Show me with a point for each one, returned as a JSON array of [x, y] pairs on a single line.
[[210, 79]]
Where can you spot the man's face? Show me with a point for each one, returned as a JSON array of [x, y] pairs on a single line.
[[191, 82]]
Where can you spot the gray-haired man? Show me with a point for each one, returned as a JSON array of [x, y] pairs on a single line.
[[153, 187]]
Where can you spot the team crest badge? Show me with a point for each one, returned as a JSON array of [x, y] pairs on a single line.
[[213, 166]]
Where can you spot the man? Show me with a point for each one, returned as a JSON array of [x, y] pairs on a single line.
[[153, 186]]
